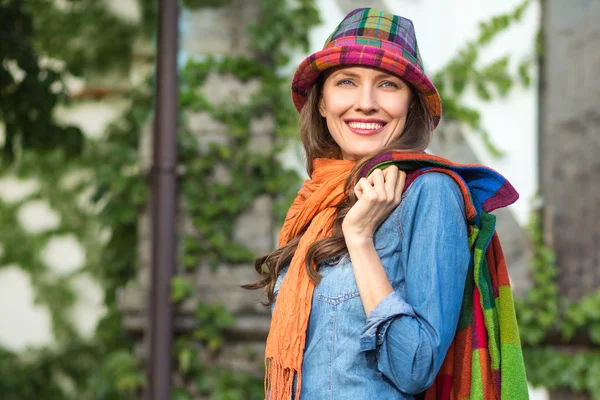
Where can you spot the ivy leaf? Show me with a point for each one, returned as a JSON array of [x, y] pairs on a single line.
[[594, 332], [576, 315], [567, 330], [181, 394], [238, 253], [524, 73], [590, 308], [482, 90], [497, 74], [593, 378], [181, 289], [185, 357]]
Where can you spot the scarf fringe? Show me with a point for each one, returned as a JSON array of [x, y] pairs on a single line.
[[279, 381]]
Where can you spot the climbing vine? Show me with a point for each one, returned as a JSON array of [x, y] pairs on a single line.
[[106, 365], [43, 46], [253, 171]]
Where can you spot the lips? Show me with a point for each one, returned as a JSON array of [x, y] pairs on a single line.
[[365, 127]]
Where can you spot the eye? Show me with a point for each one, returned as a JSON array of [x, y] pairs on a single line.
[[344, 82], [389, 84]]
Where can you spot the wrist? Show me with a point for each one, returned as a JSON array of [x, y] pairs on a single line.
[[354, 240]]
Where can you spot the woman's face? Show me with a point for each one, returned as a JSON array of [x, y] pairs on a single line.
[[365, 109]]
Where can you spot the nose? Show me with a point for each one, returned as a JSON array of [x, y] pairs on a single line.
[[366, 100]]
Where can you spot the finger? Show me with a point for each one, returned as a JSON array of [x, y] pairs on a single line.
[[391, 177], [358, 192], [389, 170], [371, 177], [400, 182], [379, 183], [366, 188]]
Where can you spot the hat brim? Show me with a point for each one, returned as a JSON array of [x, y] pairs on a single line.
[[309, 70]]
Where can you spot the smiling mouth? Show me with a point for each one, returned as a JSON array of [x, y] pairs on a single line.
[[370, 126], [365, 128]]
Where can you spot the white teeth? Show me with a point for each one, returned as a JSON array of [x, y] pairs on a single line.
[[362, 125]]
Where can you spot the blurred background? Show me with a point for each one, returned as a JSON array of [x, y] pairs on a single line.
[[519, 85]]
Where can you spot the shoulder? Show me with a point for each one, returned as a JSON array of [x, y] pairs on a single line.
[[433, 182], [435, 189]]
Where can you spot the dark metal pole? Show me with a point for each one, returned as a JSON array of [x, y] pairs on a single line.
[[164, 203]]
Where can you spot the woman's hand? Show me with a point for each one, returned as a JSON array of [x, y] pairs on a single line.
[[378, 195]]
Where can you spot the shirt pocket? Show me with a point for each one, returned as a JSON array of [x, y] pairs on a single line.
[[338, 284]]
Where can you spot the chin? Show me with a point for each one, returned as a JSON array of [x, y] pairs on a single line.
[[357, 155]]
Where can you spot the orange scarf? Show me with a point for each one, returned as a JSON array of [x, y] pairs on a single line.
[[315, 207]]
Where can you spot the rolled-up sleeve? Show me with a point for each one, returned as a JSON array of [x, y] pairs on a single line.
[[379, 319], [410, 331]]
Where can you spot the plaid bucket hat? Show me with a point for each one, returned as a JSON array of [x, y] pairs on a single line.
[[371, 38]]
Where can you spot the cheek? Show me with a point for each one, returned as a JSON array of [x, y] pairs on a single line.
[[398, 107], [334, 104]]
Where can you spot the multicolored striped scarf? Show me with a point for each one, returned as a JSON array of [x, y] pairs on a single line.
[[485, 359]]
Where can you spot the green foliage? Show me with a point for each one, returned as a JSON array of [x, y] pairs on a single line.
[[463, 72], [120, 376], [29, 378], [234, 173], [90, 41], [282, 27], [42, 44], [213, 320], [38, 147], [181, 289], [539, 310], [578, 371], [84, 34], [73, 371], [195, 4], [29, 90], [548, 325]]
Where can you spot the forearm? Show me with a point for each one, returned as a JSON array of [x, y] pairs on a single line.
[[371, 279]]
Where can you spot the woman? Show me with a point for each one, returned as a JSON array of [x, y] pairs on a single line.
[[378, 286]]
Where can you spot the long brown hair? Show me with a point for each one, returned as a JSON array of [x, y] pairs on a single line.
[[318, 143]]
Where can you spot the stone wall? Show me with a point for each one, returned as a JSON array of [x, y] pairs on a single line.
[[570, 141]]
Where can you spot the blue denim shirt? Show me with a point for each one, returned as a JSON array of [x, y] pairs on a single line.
[[396, 351]]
